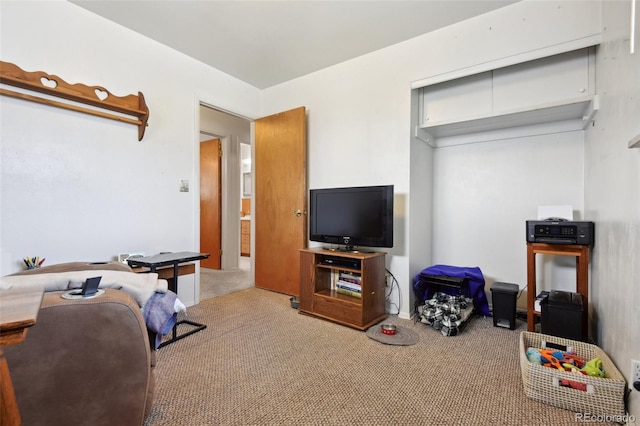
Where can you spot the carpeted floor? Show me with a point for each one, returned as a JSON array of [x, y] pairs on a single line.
[[259, 362], [215, 283]]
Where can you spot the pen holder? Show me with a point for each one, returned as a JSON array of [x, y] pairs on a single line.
[[33, 262]]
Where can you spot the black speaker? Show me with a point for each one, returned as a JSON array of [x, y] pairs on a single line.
[[562, 315]]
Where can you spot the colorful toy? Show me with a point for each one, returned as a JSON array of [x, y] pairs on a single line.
[[533, 355], [594, 368], [565, 361]]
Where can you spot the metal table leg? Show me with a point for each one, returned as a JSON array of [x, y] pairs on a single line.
[[174, 332]]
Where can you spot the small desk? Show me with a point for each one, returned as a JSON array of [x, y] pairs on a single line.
[[173, 259], [18, 312]]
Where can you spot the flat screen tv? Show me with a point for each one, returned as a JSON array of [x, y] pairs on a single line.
[[355, 216]]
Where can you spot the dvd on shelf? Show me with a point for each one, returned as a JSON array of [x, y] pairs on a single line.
[[349, 277]]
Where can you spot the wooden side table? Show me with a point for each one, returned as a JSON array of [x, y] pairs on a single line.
[[581, 254], [18, 312]]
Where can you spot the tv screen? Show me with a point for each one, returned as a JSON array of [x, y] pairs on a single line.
[[355, 216]]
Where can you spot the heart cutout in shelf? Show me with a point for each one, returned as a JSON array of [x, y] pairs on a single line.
[[102, 94], [47, 82]]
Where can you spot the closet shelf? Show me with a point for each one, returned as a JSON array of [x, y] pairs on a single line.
[[95, 96], [582, 108]]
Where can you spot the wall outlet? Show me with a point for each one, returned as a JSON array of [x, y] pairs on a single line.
[[634, 377]]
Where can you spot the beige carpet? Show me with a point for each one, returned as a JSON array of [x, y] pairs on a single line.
[[216, 283], [259, 362]]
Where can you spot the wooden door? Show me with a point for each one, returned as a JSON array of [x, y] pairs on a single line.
[[280, 199], [211, 202]]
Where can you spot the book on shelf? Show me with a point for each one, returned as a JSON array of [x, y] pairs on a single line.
[[348, 292], [349, 286], [349, 282], [349, 277]]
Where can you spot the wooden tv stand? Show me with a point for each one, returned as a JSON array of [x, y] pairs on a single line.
[[320, 298]]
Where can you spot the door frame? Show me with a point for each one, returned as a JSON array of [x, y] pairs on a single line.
[[227, 169]]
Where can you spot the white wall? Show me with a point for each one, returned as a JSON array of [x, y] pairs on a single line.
[[613, 193], [360, 115], [78, 187], [485, 192]]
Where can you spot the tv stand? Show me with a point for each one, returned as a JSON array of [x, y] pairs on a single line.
[[321, 297]]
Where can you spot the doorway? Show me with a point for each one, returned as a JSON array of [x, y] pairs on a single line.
[[234, 271], [280, 226]]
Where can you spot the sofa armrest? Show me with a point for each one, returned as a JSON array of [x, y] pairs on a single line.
[[84, 362]]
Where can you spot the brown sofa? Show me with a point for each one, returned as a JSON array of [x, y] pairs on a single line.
[[84, 362]]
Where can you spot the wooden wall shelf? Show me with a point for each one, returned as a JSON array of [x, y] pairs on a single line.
[[96, 96]]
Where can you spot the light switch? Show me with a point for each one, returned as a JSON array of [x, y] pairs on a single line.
[[184, 185]]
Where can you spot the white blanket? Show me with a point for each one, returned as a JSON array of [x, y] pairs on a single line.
[[140, 286]]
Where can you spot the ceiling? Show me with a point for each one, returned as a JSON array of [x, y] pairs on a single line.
[[265, 43]]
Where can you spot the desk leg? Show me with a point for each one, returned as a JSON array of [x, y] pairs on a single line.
[[174, 333], [531, 288], [8, 406], [174, 282]]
